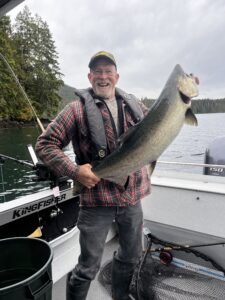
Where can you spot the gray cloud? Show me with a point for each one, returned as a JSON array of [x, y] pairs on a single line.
[[147, 37]]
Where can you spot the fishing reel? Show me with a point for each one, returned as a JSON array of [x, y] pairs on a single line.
[[165, 257], [43, 173], [164, 253]]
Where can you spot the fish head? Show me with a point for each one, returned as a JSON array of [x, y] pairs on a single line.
[[178, 92], [187, 85]]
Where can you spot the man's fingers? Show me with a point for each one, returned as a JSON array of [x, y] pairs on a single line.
[[87, 177]]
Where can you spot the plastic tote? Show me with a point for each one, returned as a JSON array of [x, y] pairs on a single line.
[[25, 269]]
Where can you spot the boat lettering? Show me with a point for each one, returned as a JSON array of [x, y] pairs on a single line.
[[215, 169], [17, 213]]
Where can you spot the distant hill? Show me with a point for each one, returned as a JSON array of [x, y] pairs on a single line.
[[199, 106], [66, 92]]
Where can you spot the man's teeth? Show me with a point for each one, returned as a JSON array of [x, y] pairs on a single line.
[[103, 84]]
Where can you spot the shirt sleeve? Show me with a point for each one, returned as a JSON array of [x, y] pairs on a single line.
[[57, 135]]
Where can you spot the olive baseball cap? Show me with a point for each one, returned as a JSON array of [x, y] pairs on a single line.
[[101, 54]]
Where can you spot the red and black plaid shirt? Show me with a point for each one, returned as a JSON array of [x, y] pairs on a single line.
[[71, 125]]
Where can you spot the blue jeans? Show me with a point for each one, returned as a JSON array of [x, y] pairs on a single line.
[[94, 224]]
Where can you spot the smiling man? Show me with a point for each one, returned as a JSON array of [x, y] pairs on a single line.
[[93, 122], [103, 75]]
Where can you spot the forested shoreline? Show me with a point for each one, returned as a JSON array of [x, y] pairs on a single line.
[[28, 50], [199, 106], [66, 94]]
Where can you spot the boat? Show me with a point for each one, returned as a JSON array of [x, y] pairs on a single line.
[[184, 210]]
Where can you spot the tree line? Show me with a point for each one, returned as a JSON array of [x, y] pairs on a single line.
[[199, 106], [30, 50]]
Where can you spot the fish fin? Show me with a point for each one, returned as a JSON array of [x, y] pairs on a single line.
[[190, 118], [122, 181], [151, 167]]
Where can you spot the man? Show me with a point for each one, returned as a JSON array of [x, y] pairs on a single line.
[[99, 115]]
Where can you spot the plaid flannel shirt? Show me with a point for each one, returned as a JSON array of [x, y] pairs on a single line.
[[71, 125]]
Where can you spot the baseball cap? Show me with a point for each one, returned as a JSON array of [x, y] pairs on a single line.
[[101, 54]]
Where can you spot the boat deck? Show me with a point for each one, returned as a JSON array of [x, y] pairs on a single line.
[[171, 282], [97, 291]]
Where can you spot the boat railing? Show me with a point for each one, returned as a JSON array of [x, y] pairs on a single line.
[[190, 164]]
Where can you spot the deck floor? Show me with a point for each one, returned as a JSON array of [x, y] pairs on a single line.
[[97, 291]]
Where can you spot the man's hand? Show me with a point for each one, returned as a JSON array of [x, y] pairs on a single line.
[[86, 176]]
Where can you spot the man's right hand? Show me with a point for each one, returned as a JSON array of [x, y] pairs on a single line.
[[86, 176]]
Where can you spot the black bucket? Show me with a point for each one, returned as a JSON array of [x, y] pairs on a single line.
[[25, 269]]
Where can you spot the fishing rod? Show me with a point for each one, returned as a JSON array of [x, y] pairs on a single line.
[[42, 172], [166, 256], [22, 162], [169, 248], [22, 90]]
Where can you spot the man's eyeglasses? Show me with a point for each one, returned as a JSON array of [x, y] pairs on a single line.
[[103, 72]]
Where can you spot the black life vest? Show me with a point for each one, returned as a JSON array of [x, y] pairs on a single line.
[[95, 121]]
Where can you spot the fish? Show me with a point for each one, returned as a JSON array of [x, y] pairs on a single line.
[[142, 144]]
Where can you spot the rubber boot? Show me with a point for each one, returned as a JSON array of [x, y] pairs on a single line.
[[76, 290], [121, 277]]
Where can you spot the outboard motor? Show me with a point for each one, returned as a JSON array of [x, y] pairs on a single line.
[[215, 154]]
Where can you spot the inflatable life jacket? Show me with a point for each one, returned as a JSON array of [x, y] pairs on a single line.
[[95, 121]]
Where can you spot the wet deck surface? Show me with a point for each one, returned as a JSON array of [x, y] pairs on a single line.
[[97, 291]]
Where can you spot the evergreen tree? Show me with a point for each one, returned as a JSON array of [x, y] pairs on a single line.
[[40, 74], [12, 104]]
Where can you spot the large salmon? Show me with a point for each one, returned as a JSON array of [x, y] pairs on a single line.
[[146, 141]]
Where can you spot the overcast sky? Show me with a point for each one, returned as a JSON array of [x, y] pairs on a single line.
[[147, 37]]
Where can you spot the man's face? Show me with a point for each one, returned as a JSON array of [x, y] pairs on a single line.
[[103, 78]]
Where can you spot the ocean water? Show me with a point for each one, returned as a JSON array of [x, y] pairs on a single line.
[[16, 179], [191, 143], [189, 147]]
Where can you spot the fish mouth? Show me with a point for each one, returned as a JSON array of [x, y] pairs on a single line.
[[185, 98]]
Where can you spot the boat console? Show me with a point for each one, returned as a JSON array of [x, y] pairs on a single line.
[[215, 155]]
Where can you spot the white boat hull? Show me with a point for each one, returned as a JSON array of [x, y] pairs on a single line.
[[188, 209]]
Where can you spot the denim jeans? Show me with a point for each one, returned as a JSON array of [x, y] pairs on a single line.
[[94, 224]]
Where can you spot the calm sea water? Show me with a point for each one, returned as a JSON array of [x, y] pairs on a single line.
[[191, 143], [16, 179], [189, 146]]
